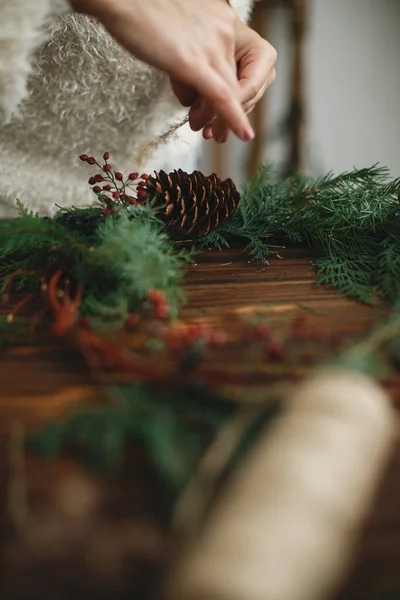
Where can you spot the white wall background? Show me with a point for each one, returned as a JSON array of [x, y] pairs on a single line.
[[353, 88]]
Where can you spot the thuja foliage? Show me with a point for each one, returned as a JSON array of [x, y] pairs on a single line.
[[174, 426], [352, 221], [117, 254], [116, 263]]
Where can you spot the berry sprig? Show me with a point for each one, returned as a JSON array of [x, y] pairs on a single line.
[[159, 303], [115, 189], [180, 335]]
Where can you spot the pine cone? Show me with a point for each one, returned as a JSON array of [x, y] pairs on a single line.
[[192, 205]]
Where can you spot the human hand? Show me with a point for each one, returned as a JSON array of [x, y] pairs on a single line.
[[193, 42], [255, 60]]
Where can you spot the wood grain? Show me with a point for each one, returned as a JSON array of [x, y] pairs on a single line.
[[43, 380]]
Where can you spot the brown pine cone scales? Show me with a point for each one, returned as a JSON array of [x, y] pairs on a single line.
[[191, 205]]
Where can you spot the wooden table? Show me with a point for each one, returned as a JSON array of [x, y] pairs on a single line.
[[43, 381]]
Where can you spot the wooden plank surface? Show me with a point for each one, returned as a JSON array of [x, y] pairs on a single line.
[[42, 381]]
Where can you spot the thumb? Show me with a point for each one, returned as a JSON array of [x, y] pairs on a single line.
[[185, 94]]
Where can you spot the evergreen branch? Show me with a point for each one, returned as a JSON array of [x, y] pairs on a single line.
[[160, 420], [352, 220], [19, 234]]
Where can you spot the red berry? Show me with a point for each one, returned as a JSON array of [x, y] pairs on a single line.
[[99, 177], [144, 176], [132, 321], [91, 160], [261, 332], [91, 181], [116, 195], [218, 338], [84, 157], [106, 155], [141, 184], [107, 187], [173, 338], [275, 351], [133, 176], [142, 194], [106, 211], [119, 176], [107, 168], [97, 189], [197, 331], [156, 296], [161, 310]]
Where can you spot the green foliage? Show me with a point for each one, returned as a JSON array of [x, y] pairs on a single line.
[[132, 257], [173, 426], [126, 257], [31, 245], [352, 221]]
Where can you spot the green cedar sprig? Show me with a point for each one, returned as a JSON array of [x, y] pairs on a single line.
[[174, 426], [128, 255], [352, 221]]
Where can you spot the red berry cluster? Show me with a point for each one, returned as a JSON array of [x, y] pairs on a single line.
[[262, 332], [116, 190], [159, 303], [180, 335]]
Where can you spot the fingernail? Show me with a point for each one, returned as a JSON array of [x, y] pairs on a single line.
[[249, 134]]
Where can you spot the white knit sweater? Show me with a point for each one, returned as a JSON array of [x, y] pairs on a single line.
[[67, 88]]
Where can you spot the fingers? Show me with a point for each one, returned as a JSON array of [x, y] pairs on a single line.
[[185, 94], [201, 114], [193, 42], [221, 136], [218, 129], [220, 89], [252, 101], [256, 73]]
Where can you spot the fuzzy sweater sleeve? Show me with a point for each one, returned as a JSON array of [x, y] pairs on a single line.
[[22, 30]]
